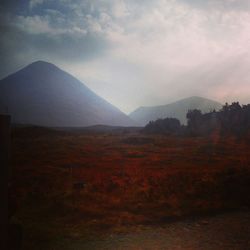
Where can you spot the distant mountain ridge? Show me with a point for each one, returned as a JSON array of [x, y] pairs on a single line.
[[176, 109], [42, 94]]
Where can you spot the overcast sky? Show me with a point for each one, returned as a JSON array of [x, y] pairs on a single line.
[[135, 53]]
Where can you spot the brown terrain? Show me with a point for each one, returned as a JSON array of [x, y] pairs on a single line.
[[125, 190]]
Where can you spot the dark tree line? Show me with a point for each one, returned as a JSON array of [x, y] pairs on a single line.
[[235, 119], [232, 119], [163, 126]]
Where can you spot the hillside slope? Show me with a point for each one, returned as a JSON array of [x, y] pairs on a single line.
[[42, 94], [177, 110]]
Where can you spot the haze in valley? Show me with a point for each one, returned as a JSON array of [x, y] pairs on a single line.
[[135, 53]]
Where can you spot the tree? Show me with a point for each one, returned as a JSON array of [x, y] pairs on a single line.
[[163, 126], [194, 118]]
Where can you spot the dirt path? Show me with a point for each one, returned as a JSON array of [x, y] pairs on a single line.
[[227, 231]]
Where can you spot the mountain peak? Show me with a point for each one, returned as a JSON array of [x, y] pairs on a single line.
[[41, 65], [177, 109], [195, 97], [38, 68]]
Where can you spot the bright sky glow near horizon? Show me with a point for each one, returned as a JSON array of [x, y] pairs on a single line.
[[135, 53]]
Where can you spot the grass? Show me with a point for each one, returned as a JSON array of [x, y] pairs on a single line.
[[130, 179]]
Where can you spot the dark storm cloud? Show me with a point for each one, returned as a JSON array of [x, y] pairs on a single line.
[[17, 6], [19, 48], [43, 30]]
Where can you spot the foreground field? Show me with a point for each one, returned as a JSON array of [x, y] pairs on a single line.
[[228, 231], [78, 184]]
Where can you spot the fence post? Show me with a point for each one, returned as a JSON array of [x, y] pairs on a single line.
[[5, 176]]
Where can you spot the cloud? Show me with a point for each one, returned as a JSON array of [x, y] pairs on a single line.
[[153, 52], [51, 36], [35, 3], [222, 5]]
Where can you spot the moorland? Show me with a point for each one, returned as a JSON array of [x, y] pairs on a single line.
[[78, 183]]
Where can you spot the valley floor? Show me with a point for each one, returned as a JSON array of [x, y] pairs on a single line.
[[73, 187], [228, 231]]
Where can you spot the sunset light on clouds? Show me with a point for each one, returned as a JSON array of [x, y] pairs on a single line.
[[135, 53]]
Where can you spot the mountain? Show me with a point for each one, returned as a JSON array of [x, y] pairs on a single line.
[[42, 94], [177, 110]]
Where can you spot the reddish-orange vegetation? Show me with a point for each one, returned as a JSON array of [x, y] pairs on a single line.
[[105, 179]]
